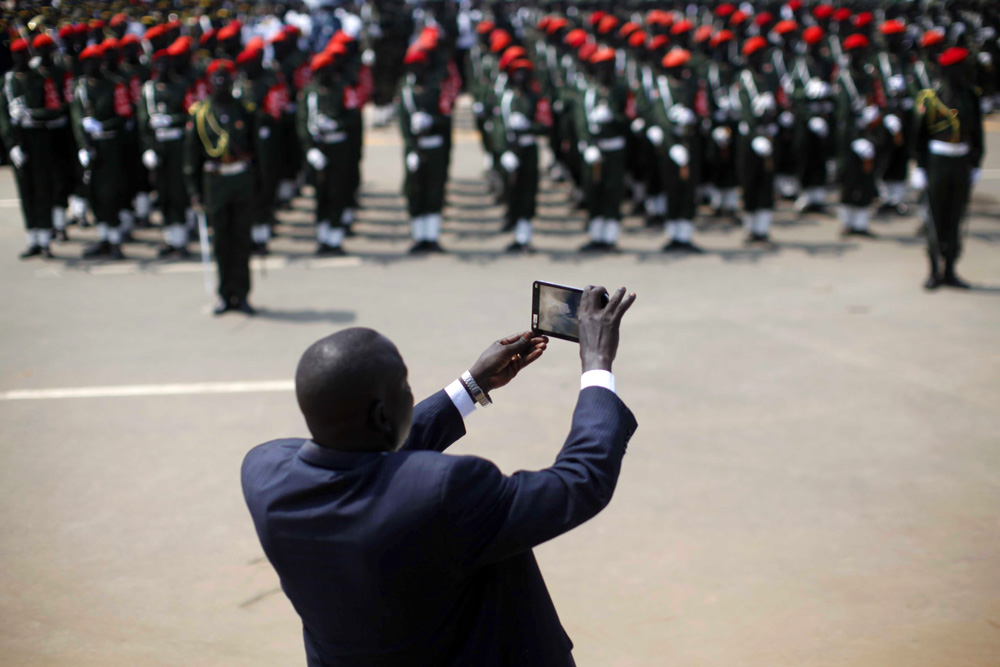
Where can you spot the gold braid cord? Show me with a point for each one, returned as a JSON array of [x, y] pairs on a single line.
[[939, 116], [203, 116]]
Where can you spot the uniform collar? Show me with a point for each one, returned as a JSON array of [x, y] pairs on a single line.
[[335, 459]]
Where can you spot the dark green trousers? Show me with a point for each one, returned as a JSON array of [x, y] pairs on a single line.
[[424, 188], [606, 189], [756, 178], [522, 186], [169, 175], [333, 193], [108, 186], [35, 182], [948, 189], [229, 209]]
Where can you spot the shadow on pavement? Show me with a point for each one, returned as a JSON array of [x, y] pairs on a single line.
[[306, 315]]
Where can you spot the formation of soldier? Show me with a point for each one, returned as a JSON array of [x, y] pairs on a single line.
[[224, 111]]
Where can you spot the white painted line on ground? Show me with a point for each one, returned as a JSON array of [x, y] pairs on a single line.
[[150, 390], [10, 203]]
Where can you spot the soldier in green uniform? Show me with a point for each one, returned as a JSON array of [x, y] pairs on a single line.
[[900, 86], [390, 26], [423, 121], [721, 149], [949, 150], [101, 109], [813, 144], [219, 175], [135, 73], [294, 67], [162, 115], [602, 125], [58, 82], [24, 107], [263, 89], [324, 140]]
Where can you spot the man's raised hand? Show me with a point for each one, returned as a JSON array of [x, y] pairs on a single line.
[[599, 325], [505, 358]]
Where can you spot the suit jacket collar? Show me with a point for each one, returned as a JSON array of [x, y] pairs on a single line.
[[334, 459]]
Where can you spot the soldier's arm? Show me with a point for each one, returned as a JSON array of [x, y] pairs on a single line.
[[302, 119], [146, 136], [193, 155], [6, 126], [976, 147], [76, 117]]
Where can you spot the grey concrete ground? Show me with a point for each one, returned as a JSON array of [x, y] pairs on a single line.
[[815, 479]]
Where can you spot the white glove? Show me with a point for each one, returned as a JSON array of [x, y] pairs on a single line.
[[974, 176], [896, 83], [326, 124], [864, 148], [592, 155], [721, 136], [368, 58], [817, 89], [638, 125], [477, 108], [84, 156], [91, 125], [316, 159], [819, 126], [509, 162], [149, 159], [519, 122], [374, 30], [420, 121], [918, 179], [786, 119], [159, 120], [762, 104], [17, 156], [557, 106], [868, 115], [18, 111], [679, 154], [601, 114], [655, 135], [412, 162], [761, 146], [681, 115], [893, 124]]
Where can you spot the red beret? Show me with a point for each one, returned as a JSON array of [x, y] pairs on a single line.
[[703, 34], [542, 24], [291, 31], [181, 46], [721, 37], [607, 24], [841, 14], [659, 17], [892, 27], [321, 60], [129, 39], [18, 45], [66, 31], [725, 9], [932, 38], [42, 41], [953, 56], [415, 56], [676, 57], [658, 42], [208, 36], [794, 5], [753, 45], [737, 17], [247, 55], [256, 44], [763, 18], [863, 19], [218, 64], [627, 29], [97, 24], [162, 53], [81, 28], [681, 27], [510, 55], [857, 41], [155, 32], [602, 55], [499, 40], [785, 27], [279, 36], [597, 16], [575, 38], [119, 19], [812, 34], [823, 11], [229, 31], [92, 51], [110, 44], [486, 27], [335, 50], [585, 51], [522, 63], [556, 24], [637, 39]]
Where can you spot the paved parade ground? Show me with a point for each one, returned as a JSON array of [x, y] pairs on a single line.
[[815, 479]]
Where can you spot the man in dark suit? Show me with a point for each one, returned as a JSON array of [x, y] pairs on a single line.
[[395, 554]]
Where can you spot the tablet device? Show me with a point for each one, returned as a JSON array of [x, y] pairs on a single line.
[[554, 310]]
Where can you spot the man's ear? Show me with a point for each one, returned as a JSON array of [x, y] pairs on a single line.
[[379, 418]]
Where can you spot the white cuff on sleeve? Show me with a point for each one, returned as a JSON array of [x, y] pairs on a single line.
[[598, 378], [460, 397]]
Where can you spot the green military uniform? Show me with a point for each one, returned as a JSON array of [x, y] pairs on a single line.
[[516, 129], [219, 171], [423, 123], [321, 127], [757, 128], [720, 152], [134, 74], [900, 85], [390, 29], [859, 127], [814, 142]]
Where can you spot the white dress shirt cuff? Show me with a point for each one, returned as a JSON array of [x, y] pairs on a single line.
[[460, 397], [598, 378]]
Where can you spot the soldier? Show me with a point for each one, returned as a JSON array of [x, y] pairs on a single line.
[[900, 88], [755, 98], [859, 121], [135, 73], [949, 149], [786, 161], [162, 115], [602, 124], [219, 175], [57, 80], [25, 104], [100, 111], [321, 130], [423, 120], [389, 29], [294, 67], [813, 145], [357, 92], [721, 149]]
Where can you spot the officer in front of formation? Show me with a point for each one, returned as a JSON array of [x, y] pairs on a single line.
[[219, 174]]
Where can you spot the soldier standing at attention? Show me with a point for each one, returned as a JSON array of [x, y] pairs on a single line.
[[423, 108], [900, 87], [135, 73], [162, 115], [324, 140], [24, 104], [100, 111], [219, 174], [57, 122], [949, 149]]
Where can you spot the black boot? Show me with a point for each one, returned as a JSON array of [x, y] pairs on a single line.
[[94, 250], [951, 279], [31, 251]]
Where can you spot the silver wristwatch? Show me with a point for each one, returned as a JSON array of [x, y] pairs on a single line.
[[478, 395]]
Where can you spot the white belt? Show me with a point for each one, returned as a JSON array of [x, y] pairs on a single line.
[[331, 137], [937, 147], [435, 141], [107, 134], [32, 124], [228, 169], [526, 140], [58, 122], [169, 133], [612, 144]]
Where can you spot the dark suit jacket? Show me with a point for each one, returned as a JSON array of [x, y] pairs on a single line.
[[418, 558]]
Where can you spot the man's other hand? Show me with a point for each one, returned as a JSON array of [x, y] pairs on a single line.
[[505, 358], [599, 324]]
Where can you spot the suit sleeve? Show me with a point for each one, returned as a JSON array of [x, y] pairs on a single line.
[[436, 424], [490, 517]]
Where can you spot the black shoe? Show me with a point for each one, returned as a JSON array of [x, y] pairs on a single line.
[[518, 248], [47, 253], [653, 221], [418, 248], [183, 252], [115, 252], [866, 233], [60, 235], [349, 230], [127, 237], [688, 247], [221, 307], [165, 250], [327, 250], [142, 223], [434, 246], [260, 249], [94, 250], [31, 251], [509, 226], [244, 307], [814, 207], [673, 246], [595, 246], [932, 282], [757, 238], [950, 279]]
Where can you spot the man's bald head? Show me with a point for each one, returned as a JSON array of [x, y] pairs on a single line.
[[353, 392]]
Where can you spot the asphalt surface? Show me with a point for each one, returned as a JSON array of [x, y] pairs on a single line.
[[815, 478]]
